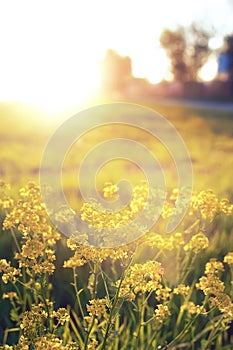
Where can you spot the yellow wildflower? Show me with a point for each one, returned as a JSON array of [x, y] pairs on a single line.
[[191, 308], [214, 267], [141, 278], [223, 302], [72, 243], [167, 211], [210, 285], [182, 289], [174, 194], [10, 295], [10, 273], [6, 202], [197, 243], [155, 240], [93, 344], [97, 307], [110, 191], [74, 261], [163, 293], [162, 312], [207, 203], [209, 206], [50, 342], [228, 259], [225, 206], [61, 315]]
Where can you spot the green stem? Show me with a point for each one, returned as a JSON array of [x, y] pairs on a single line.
[[105, 283], [181, 334], [156, 256], [178, 264], [96, 268], [151, 341], [186, 267], [180, 315], [213, 333], [117, 324], [141, 326], [116, 298], [142, 322], [44, 298], [77, 293], [89, 333], [185, 329], [23, 270], [15, 239]]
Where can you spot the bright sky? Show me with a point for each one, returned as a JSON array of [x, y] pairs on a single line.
[[51, 50]]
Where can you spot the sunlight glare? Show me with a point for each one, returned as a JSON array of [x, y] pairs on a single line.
[[54, 67], [51, 50], [153, 65], [209, 70]]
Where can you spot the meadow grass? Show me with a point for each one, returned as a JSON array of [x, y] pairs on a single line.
[[207, 134], [162, 291]]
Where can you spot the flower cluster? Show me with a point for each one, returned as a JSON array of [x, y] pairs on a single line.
[[141, 278], [164, 242], [39, 238], [211, 283], [224, 304], [212, 286], [10, 273], [6, 202], [35, 323], [162, 312], [192, 309], [197, 243], [61, 315], [207, 203], [96, 308], [99, 217], [182, 289], [110, 191], [118, 285], [163, 293], [85, 253], [47, 342], [228, 259], [51, 342]]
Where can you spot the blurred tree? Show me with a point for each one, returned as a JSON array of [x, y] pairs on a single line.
[[187, 49], [116, 72], [225, 59], [229, 43]]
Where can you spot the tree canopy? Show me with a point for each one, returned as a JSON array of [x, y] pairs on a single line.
[[188, 50]]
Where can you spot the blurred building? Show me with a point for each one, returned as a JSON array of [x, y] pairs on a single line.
[[225, 60], [225, 66]]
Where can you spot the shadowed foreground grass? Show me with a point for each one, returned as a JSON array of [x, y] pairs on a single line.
[[127, 297]]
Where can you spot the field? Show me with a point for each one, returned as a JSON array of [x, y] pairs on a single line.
[[208, 135], [162, 291]]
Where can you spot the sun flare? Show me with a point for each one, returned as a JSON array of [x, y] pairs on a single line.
[[51, 51]]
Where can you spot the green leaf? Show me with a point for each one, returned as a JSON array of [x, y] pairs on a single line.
[[14, 315]]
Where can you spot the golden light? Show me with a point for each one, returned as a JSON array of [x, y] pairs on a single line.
[[47, 59], [209, 70], [51, 50], [153, 65]]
